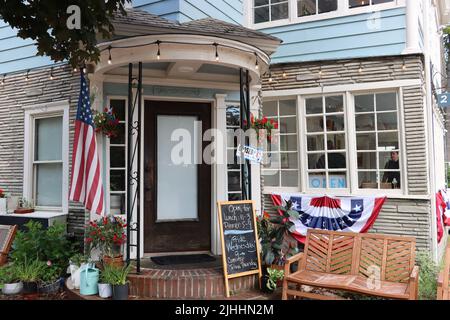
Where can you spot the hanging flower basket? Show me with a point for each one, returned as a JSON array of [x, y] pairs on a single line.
[[264, 128], [106, 122]]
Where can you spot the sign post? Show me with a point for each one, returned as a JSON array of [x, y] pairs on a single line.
[[240, 244]]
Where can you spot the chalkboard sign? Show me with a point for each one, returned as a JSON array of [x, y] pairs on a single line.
[[240, 245]]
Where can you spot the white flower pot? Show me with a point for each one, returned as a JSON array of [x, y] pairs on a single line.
[[3, 208], [104, 290], [12, 288]]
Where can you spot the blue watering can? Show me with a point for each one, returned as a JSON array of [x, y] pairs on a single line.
[[89, 280]]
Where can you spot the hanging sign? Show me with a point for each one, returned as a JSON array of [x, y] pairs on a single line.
[[249, 153], [240, 245], [444, 100]]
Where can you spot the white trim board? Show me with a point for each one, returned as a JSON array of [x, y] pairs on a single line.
[[342, 88]]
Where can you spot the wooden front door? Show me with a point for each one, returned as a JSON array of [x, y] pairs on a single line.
[[177, 182]]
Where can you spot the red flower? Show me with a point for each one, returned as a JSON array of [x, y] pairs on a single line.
[[89, 240], [266, 215], [275, 125], [252, 118], [264, 120]]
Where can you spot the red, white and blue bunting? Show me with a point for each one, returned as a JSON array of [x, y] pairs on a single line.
[[442, 212], [349, 214]]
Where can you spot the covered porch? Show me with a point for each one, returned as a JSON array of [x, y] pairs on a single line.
[[159, 78]]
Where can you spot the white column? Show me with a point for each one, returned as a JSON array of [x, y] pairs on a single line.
[[255, 105], [219, 183], [412, 27]]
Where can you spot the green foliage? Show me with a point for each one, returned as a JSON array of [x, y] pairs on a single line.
[[78, 259], [108, 274], [31, 270], [45, 22], [274, 276], [8, 274], [274, 231], [118, 275], [49, 245], [428, 274]]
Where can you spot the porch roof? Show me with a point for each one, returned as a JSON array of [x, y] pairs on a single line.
[[139, 22]]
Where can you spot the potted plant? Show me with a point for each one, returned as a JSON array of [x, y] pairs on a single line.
[[50, 280], [271, 279], [106, 122], [3, 201], [107, 276], [76, 263], [24, 206], [9, 281], [107, 235], [30, 273], [119, 282]]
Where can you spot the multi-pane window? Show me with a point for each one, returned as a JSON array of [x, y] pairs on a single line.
[[377, 141], [312, 7], [270, 10], [234, 168], [118, 160], [363, 3], [281, 166], [48, 162], [326, 147]]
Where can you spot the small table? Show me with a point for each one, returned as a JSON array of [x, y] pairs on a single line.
[[46, 218]]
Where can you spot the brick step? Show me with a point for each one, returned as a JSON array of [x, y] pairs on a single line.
[[187, 284]]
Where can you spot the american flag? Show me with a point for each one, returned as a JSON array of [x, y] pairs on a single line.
[[86, 186]]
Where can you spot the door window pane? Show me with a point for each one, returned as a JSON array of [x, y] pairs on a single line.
[[387, 121], [367, 160], [366, 141], [335, 123], [316, 143], [314, 106], [173, 177], [288, 125], [289, 178], [367, 180], [271, 178]]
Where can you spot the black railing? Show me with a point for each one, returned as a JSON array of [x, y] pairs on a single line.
[[133, 209], [245, 125]]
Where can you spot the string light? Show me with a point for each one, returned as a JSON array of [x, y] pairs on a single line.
[[84, 69], [75, 69], [158, 54], [27, 77], [109, 58], [284, 74], [3, 79], [320, 72], [404, 65], [256, 65], [360, 70], [217, 51], [270, 77], [51, 73]]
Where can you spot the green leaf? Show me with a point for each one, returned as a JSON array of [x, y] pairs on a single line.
[[293, 214]]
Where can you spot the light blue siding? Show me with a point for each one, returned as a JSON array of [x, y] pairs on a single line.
[[226, 10], [168, 9], [344, 37]]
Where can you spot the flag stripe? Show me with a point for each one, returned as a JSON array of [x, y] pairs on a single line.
[[87, 185]]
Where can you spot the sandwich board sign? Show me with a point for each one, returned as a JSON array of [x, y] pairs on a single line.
[[239, 236]]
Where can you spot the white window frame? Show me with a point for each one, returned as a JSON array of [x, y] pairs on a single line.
[[342, 11], [304, 145], [271, 189], [42, 111], [270, 11], [108, 157], [348, 91]]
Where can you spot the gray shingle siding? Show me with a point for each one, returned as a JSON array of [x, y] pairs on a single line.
[[17, 93]]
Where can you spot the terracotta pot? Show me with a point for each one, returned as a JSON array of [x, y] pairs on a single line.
[[113, 261], [23, 210]]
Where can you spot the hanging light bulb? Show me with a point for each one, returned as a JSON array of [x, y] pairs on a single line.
[[217, 51], [109, 58], [360, 70], [3, 79], [270, 77], [51, 73], [75, 69], [256, 64], [84, 69], [27, 77], [404, 65], [158, 54], [284, 74]]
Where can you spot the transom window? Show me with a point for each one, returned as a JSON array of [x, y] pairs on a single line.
[[377, 141], [281, 167], [312, 7], [270, 10], [363, 3], [326, 145]]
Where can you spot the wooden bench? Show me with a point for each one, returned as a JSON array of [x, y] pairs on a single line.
[[443, 280], [7, 234], [371, 264]]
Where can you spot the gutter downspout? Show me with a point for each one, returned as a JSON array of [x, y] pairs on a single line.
[[430, 133]]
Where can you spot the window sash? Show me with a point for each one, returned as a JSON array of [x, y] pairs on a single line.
[[270, 6]]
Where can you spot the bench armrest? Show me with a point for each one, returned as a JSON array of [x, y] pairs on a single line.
[[414, 274], [290, 261]]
